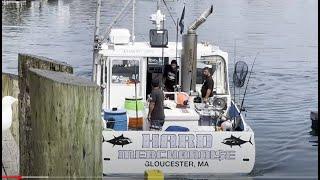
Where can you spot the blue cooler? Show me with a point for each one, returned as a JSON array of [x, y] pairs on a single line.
[[116, 119], [177, 129]]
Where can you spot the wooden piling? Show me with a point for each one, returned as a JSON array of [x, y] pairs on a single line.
[[10, 88], [26, 61], [65, 125]]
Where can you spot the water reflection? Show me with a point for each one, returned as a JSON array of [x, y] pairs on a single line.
[[14, 11], [52, 2]]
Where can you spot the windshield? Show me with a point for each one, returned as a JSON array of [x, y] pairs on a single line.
[[125, 71]]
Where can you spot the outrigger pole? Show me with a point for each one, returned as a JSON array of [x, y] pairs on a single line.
[[234, 84], [96, 67], [133, 11], [96, 46], [116, 19]]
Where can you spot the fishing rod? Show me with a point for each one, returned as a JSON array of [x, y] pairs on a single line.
[[174, 22], [234, 84], [244, 95]]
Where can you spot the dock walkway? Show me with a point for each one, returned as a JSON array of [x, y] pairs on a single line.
[[10, 155]]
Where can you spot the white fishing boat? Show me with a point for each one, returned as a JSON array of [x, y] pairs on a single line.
[[192, 139]]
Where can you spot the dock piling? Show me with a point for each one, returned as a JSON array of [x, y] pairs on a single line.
[[65, 125], [57, 122], [26, 61]]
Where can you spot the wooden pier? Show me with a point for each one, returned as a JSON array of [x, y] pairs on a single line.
[[56, 127], [10, 138], [10, 155]]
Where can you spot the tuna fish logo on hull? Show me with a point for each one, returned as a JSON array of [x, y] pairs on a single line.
[[234, 141], [120, 141]]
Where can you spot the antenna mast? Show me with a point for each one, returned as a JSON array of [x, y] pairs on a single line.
[[133, 11], [96, 46]]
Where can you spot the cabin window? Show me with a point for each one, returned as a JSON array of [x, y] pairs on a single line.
[[125, 71], [200, 77], [218, 71]]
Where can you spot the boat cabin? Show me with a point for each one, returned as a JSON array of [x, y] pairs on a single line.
[[128, 68]]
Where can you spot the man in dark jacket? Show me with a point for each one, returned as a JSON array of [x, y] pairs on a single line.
[[171, 76], [156, 108], [207, 86]]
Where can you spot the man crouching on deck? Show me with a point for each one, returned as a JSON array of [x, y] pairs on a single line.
[[156, 109]]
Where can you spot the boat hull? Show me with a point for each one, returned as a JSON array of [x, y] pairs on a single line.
[[133, 152]]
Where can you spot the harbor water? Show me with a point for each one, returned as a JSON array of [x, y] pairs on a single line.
[[283, 88]]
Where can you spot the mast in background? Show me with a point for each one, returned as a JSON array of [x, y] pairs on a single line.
[[133, 12], [96, 67]]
